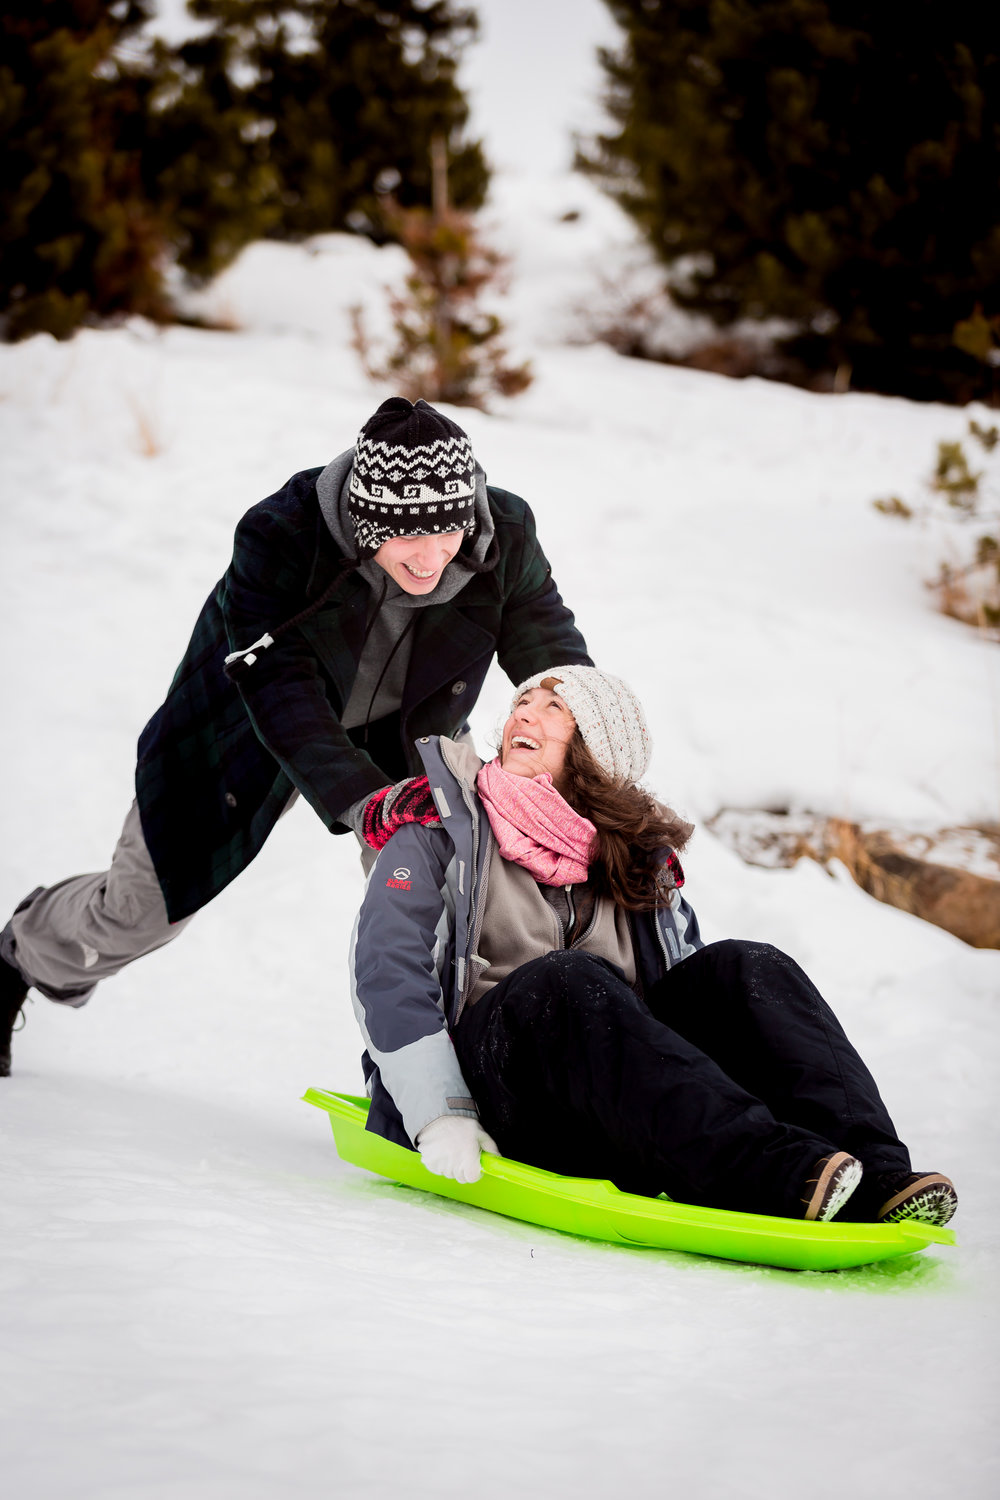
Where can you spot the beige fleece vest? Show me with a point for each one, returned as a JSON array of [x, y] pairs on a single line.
[[519, 925]]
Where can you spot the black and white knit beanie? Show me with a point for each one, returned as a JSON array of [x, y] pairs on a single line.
[[413, 475], [608, 715]]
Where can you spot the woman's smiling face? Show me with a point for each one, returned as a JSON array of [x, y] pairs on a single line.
[[537, 734]]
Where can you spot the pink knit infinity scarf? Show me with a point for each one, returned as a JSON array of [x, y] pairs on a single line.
[[535, 827]]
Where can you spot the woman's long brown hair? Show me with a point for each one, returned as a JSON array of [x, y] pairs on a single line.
[[632, 831]]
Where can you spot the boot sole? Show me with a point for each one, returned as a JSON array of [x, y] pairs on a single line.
[[929, 1200], [834, 1186]]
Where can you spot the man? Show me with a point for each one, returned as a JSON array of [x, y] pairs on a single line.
[[362, 608]]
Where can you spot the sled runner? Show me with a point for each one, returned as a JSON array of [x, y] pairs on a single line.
[[598, 1211]]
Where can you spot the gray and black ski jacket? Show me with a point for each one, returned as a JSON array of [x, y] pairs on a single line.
[[414, 959]]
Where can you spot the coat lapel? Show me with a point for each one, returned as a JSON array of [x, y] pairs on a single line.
[[447, 640]]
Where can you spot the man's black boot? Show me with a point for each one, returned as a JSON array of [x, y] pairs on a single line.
[[13, 992]]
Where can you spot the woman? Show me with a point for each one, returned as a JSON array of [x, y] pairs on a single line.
[[529, 980]]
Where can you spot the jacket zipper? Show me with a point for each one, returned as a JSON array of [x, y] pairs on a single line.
[[663, 941], [480, 913], [462, 960]]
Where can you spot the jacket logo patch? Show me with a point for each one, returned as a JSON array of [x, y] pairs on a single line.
[[400, 880]]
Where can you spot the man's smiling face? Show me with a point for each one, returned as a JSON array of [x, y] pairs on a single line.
[[417, 562]]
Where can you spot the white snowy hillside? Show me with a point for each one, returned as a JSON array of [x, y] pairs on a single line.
[[202, 1301]]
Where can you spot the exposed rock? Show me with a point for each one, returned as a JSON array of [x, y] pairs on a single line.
[[961, 901], [773, 840], [948, 876]]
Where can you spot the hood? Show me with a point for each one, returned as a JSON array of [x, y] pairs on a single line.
[[332, 489]]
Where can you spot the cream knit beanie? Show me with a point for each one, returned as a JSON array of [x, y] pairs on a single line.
[[608, 715]]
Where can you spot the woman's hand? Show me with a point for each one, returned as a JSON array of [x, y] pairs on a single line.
[[450, 1145]]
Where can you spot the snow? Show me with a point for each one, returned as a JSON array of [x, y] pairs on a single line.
[[202, 1301], [960, 848]]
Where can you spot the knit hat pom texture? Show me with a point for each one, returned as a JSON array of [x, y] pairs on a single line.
[[608, 715]]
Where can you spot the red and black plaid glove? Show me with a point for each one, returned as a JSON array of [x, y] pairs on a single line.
[[406, 802]]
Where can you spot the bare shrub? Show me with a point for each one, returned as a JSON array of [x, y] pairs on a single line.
[[448, 346], [961, 502]]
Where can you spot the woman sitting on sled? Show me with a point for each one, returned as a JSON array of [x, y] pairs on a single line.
[[529, 980]]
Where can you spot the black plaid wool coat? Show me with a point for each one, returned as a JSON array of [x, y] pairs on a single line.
[[217, 762]]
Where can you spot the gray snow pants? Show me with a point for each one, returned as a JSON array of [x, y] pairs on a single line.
[[68, 937]]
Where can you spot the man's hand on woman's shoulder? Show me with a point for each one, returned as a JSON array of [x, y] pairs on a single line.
[[408, 801]]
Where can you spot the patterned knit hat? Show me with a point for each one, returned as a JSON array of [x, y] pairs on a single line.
[[413, 474], [608, 715]]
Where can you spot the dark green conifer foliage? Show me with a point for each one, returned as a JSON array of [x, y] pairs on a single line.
[[342, 98], [205, 156], [77, 236], [833, 162], [286, 117]]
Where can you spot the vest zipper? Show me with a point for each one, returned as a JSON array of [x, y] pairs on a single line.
[[582, 936]]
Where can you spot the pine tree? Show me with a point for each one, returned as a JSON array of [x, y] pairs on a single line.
[[341, 97], [448, 346], [78, 238], [205, 154], [119, 155], [831, 162]]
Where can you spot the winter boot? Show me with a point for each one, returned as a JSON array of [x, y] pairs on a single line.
[[13, 992], [829, 1185], [926, 1197]]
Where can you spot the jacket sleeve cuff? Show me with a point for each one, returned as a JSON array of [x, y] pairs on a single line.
[[425, 1082], [354, 815]]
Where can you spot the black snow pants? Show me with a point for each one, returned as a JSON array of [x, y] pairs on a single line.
[[722, 1087]]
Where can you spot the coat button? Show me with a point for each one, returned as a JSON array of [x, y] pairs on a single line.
[[425, 739], [230, 800], [458, 687]]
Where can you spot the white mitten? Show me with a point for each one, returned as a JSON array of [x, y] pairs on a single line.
[[450, 1145]]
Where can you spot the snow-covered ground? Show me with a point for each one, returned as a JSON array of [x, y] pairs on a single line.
[[202, 1301]]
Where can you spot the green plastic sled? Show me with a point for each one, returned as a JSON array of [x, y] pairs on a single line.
[[598, 1211]]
